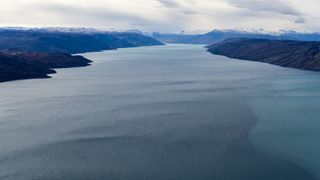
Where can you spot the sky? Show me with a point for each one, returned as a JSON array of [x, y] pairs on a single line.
[[166, 16]]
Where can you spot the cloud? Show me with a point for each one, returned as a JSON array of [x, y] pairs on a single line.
[[169, 3], [182, 7], [300, 21], [277, 6], [86, 15], [164, 15], [188, 11]]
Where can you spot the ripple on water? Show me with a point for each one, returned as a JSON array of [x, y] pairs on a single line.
[[162, 115]]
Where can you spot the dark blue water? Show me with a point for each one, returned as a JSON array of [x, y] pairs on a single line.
[[168, 113]]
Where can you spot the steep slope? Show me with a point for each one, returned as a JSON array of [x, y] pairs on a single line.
[[294, 54]]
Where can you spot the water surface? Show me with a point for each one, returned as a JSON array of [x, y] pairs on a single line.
[[171, 112]]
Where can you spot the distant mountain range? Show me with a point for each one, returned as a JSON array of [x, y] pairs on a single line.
[[220, 35], [286, 53], [69, 40]]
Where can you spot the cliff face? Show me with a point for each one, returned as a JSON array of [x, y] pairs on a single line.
[[15, 65], [294, 54], [70, 42]]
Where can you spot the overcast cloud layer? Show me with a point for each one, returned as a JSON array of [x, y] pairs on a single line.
[[164, 15]]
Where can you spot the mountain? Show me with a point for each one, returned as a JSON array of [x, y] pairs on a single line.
[[293, 35], [220, 35], [34, 53], [70, 41], [286, 53], [15, 65]]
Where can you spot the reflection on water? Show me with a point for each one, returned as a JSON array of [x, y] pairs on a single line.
[[173, 112]]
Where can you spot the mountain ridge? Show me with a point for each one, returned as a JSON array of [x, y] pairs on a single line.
[[76, 41]]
